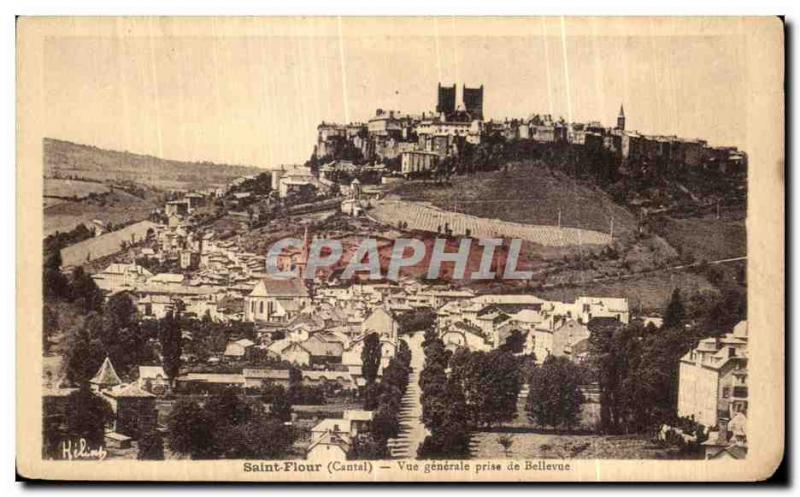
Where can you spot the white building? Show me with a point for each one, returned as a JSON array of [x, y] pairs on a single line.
[[277, 300], [117, 277], [713, 378]]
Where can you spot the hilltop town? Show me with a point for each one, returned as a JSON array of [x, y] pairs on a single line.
[[170, 338]]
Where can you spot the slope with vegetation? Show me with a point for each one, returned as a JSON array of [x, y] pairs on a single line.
[[65, 159]]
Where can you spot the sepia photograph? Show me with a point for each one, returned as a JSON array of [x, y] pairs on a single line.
[[400, 249]]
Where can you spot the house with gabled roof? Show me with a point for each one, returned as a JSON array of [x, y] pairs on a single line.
[[324, 348], [134, 409], [296, 353], [567, 337], [238, 349], [351, 356], [464, 334], [153, 379], [117, 277], [277, 300], [328, 447], [383, 323]]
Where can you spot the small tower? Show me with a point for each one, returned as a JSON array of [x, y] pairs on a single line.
[[621, 119], [355, 188], [105, 378]]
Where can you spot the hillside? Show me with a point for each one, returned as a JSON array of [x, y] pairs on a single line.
[[66, 159], [525, 194], [116, 207]]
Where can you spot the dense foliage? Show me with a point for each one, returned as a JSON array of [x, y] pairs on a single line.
[[554, 396], [229, 425], [384, 399]]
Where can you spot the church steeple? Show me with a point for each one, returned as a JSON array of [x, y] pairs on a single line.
[[621, 118]]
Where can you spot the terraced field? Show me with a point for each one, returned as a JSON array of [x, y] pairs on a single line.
[[426, 217], [526, 194]]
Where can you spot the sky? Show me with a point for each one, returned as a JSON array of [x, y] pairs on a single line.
[[253, 91]]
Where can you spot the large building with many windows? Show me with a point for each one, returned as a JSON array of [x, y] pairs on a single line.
[[713, 379]]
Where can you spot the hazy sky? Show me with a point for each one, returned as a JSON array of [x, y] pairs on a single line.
[[253, 93]]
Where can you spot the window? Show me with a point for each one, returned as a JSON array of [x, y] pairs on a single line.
[[261, 307]]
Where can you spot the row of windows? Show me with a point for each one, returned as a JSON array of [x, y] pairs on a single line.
[[270, 307]]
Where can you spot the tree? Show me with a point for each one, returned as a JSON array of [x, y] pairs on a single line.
[[396, 375], [555, 397], [365, 446], [270, 390], [430, 336], [49, 325], [372, 393], [230, 407], [450, 438], [170, 337], [121, 336], [433, 382], [151, 447], [84, 291], [505, 441], [189, 431], [85, 352], [651, 388], [608, 366], [87, 416], [371, 357], [295, 385], [54, 283], [384, 423], [417, 320], [230, 425], [515, 342], [280, 408], [403, 355], [675, 313], [121, 310], [257, 437], [497, 378]]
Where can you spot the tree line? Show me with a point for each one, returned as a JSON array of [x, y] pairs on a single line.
[[382, 397], [230, 425], [480, 391]]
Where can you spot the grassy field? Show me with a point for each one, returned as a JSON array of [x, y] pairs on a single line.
[[707, 238], [531, 441], [525, 194], [424, 217], [645, 293], [62, 158], [104, 245], [545, 445], [67, 188], [116, 207]]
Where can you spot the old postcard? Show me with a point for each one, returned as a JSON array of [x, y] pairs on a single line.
[[400, 249]]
